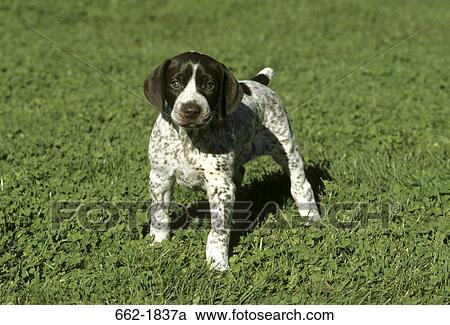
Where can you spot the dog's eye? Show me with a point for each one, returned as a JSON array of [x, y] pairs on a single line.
[[210, 85], [175, 84]]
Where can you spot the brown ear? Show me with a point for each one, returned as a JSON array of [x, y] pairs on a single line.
[[230, 93], [155, 86]]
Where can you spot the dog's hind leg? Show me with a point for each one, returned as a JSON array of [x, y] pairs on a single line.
[[286, 152]]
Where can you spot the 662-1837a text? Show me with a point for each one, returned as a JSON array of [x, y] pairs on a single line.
[[149, 314]]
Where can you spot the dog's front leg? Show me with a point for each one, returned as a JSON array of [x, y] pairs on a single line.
[[161, 187], [221, 191]]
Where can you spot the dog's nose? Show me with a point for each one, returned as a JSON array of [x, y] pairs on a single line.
[[191, 111]]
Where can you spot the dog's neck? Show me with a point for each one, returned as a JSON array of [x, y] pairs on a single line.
[[205, 139]]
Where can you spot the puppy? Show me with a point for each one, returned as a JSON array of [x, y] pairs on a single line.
[[210, 125]]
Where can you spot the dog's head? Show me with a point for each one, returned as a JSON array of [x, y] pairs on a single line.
[[194, 89]]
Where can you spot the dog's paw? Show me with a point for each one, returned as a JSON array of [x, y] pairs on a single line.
[[314, 216], [219, 266], [217, 257], [157, 236]]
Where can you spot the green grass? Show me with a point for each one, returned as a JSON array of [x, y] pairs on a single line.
[[381, 135]]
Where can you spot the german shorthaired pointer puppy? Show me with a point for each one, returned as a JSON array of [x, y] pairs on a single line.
[[211, 125]]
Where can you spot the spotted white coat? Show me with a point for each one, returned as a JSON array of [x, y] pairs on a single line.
[[212, 159]]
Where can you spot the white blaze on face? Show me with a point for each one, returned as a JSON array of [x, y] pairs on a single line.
[[190, 94]]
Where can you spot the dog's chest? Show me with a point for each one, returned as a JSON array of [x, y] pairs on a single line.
[[194, 167], [194, 161], [189, 171]]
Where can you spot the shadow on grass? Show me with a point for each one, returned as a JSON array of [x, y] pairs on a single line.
[[275, 188]]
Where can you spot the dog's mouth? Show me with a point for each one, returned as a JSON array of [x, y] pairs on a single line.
[[196, 125]]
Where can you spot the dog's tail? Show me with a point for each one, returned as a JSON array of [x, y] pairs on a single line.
[[264, 76]]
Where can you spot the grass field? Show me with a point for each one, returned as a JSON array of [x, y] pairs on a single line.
[[380, 135]]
